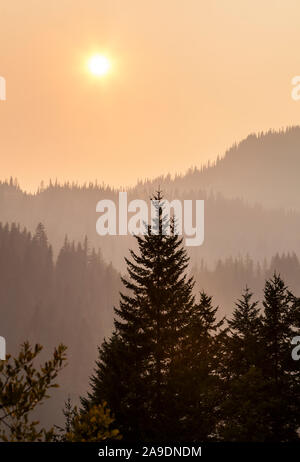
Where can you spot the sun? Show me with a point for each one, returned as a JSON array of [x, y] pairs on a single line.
[[99, 65]]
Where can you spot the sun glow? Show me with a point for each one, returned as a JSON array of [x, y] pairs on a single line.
[[99, 65]]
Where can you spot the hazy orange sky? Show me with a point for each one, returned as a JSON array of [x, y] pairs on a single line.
[[188, 78]]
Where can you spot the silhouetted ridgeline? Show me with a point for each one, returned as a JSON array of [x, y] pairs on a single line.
[[263, 168]]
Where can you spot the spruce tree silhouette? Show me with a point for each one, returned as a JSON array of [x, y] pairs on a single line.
[[245, 328], [261, 398], [135, 366], [280, 322]]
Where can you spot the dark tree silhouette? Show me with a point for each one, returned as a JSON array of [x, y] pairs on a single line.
[[139, 372]]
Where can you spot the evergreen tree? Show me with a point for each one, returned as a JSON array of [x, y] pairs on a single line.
[[197, 377], [243, 343], [23, 388], [280, 322], [95, 425], [281, 310], [245, 392], [115, 379], [150, 330], [244, 409], [262, 380]]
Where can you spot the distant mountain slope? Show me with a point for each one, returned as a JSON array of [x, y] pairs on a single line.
[[232, 228], [262, 169]]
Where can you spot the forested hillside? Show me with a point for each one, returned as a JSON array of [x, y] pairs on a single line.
[[66, 291], [232, 228], [231, 276], [69, 299], [263, 168]]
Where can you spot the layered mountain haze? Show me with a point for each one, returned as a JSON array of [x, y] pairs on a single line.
[[115, 115], [57, 288], [68, 299], [251, 195]]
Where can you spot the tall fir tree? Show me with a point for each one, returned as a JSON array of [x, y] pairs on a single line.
[[137, 366], [199, 384], [263, 383], [244, 389], [280, 323], [243, 343]]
